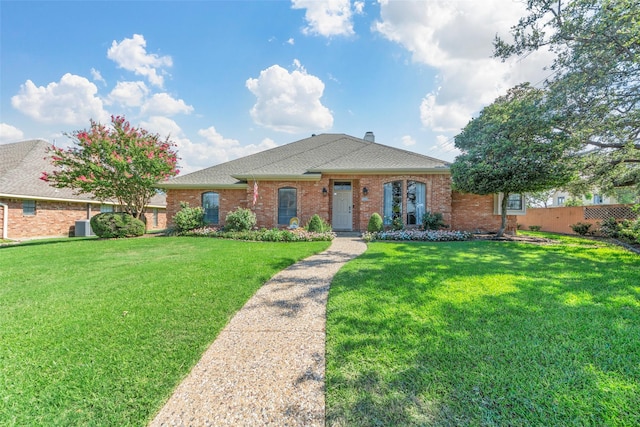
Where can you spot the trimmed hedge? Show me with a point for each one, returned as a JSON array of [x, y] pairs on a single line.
[[116, 224]]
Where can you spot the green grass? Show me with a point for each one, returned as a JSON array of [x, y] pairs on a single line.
[[99, 332], [485, 333]]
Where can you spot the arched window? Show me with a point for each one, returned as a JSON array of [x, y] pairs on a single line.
[[287, 204], [211, 206]]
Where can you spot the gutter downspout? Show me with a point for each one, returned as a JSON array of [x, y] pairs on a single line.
[[5, 220]]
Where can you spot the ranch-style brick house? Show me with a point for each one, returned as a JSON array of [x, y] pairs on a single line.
[[30, 207], [343, 179]]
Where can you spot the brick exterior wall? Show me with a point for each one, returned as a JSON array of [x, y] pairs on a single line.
[[472, 212], [53, 219], [461, 211]]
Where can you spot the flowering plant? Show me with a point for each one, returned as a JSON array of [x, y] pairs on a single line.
[[419, 235], [121, 163]]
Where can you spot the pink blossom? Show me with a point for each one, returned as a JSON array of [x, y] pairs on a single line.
[[44, 176]]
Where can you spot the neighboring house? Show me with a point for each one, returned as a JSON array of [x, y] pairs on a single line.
[[30, 207], [560, 198], [339, 177]]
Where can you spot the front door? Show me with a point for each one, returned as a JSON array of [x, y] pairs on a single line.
[[342, 206]]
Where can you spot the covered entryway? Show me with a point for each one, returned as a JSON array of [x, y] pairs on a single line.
[[342, 218]]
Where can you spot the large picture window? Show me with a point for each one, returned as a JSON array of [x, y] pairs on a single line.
[[211, 206], [392, 202], [416, 195], [287, 204]]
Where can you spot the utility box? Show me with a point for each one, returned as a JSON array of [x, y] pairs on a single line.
[[83, 228]]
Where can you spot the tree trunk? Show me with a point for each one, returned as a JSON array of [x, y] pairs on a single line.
[[503, 223]]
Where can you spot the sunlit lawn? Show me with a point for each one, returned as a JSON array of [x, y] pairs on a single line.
[[485, 333], [99, 332]]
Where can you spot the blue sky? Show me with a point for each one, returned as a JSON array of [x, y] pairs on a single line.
[[229, 78]]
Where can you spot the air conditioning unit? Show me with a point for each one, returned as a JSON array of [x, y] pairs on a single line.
[[83, 228]]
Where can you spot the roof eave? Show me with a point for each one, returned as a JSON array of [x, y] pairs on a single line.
[[284, 177], [201, 186], [66, 199], [396, 171]]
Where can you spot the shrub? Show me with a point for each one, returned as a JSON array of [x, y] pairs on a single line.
[[397, 224], [240, 220], [375, 223], [535, 227], [187, 218], [116, 224], [318, 225], [264, 235], [610, 227], [433, 221], [581, 228]]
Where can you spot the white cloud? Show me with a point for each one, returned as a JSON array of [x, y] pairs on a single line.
[[327, 17], [10, 133], [218, 149], [291, 41], [289, 102], [455, 37], [165, 104], [97, 76], [131, 54], [408, 141], [71, 101], [129, 94]]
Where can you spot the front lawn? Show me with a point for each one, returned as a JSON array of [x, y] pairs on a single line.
[[99, 332], [485, 333]]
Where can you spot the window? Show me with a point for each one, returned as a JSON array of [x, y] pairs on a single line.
[[106, 208], [28, 207], [155, 217], [211, 206], [415, 202], [287, 204], [392, 205], [515, 202], [560, 201]]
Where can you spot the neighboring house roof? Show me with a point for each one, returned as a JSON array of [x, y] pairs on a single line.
[[307, 159], [21, 166]]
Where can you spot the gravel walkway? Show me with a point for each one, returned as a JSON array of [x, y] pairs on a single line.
[[267, 365]]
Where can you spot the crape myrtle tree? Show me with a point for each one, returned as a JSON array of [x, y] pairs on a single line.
[[120, 162], [594, 81], [512, 147]]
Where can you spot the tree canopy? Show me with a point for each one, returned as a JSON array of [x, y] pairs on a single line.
[[512, 147], [595, 80], [119, 163]]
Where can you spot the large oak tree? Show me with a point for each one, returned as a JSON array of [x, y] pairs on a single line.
[[595, 79]]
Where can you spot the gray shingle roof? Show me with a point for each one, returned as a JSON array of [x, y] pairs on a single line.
[[307, 159], [22, 164]]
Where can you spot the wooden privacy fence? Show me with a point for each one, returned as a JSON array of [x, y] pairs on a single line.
[[559, 219]]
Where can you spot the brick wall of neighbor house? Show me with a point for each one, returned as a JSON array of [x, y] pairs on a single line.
[[162, 219], [53, 219], [472, 212]]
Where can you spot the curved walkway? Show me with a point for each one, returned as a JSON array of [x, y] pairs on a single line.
[[267, 365]]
